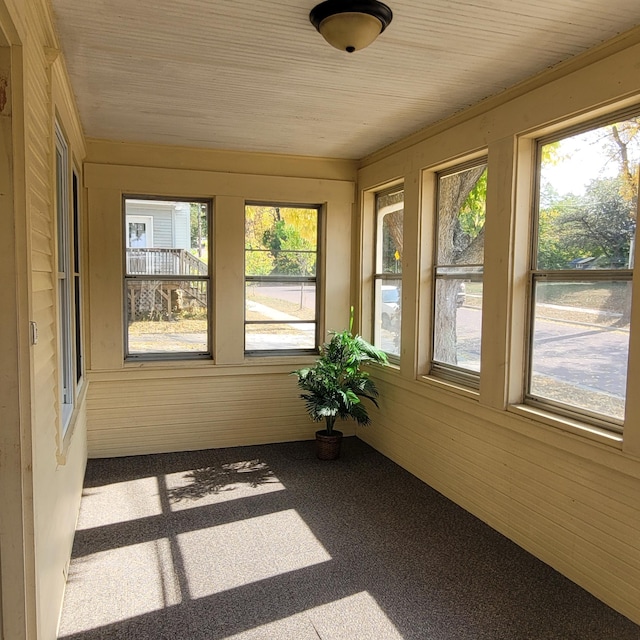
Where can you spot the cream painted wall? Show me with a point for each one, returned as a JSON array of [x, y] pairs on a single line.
[[16, 523], [47, 471], [567, 493], [144, 407]]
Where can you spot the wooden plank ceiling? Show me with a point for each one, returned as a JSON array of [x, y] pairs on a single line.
[[255, 75]]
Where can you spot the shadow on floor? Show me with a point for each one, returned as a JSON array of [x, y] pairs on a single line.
[[254, 543]]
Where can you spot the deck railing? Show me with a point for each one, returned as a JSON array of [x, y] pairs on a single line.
[[164, 262]]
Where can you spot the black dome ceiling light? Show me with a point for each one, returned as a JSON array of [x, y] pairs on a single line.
[[350, 25]]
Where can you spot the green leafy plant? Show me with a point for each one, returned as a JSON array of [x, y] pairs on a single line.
[[336, 385]]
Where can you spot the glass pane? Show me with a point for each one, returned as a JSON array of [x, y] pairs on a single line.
[[462, 199], [281, 301], [581, 344], [280, 336], [167, 316], [388, 316], [390, 210], [458, 323], [165, 237], [588, 199], [280, 241]]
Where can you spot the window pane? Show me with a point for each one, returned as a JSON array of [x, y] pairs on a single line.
[[581, 344], [458, 323], [165, 237], [461, 214], [281, 249], [388, 316], [587, 202], [390, 212], [76, 277], [280, 301], [66, 298], [167, 317], [280, 335], [280, 241]]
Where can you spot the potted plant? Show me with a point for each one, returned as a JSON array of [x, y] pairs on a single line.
[[336, 385]]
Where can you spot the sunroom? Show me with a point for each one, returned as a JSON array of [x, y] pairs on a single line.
[[196, 194]]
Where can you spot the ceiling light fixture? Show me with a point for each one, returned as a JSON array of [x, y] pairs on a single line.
[[350, 25]]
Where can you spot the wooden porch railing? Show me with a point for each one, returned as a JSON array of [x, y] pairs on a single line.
[[164, 262], [148, 296]]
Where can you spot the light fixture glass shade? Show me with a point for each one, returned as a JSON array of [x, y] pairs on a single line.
[[350, 31]]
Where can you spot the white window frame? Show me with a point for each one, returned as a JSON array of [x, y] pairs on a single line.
[[77, 276], [380, 276], [65, 277]]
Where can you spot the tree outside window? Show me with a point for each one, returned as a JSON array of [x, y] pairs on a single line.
[[457, 320]]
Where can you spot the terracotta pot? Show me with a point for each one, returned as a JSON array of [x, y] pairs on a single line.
[[328, 446]]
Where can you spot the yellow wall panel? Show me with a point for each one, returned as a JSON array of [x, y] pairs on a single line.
[[52, 468]]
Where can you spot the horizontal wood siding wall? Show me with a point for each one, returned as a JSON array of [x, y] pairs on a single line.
[[138, 416], [163, 230], [40, 210], [57, 465], [578, 514]]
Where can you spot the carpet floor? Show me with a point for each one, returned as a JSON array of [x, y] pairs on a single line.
[[266, 542]]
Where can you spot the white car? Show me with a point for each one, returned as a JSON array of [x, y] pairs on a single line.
[[390, 306]]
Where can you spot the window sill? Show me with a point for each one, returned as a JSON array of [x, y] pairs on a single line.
[[583, 429], [158, 369], [164, 363], [450, 387], [62, 452]]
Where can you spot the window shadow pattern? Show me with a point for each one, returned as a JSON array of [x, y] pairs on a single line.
[[366, 551]]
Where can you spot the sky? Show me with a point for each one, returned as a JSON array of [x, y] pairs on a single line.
[[582, 158]]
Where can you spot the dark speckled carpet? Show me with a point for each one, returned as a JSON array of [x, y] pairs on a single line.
[[258, 543]]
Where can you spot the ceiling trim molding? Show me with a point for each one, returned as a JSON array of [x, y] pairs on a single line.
[[229, 161]]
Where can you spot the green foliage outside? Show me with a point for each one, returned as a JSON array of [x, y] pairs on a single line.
[[594, 229], [473, 211], [199, 223], [598, 225], [280, 241], [288, 249]]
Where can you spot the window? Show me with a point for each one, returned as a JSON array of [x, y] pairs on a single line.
[[281, 283], [167, 278], [457, 320], [387, 310], [76, 275], [65, 272], [582, 267]]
